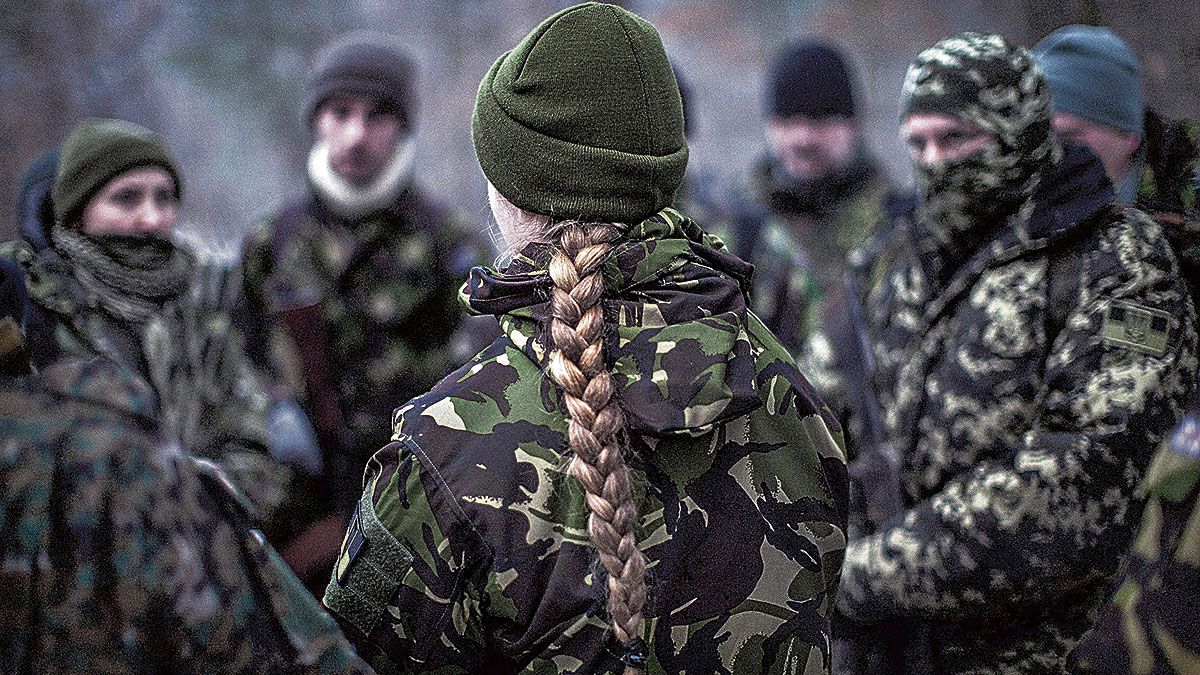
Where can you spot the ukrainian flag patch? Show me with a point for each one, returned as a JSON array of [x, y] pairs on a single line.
[[1137, 328]]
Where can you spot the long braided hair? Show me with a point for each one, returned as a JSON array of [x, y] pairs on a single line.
[[578, 367]]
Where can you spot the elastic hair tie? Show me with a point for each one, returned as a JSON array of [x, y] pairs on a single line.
[[635, 654]]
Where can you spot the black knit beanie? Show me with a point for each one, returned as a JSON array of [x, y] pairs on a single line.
[[98, 151], [582, 119], [366, 63], [810, 79]]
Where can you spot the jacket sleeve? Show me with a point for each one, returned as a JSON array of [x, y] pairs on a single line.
[[406, 586], [234, 598], [1059, 511], [1150, 620]]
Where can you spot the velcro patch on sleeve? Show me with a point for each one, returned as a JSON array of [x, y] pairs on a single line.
[[1137, 328], [371, 566], [352, 545]]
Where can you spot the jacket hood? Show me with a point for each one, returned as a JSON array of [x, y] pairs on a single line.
[[675, 303], [35, 210], [1073, 190]]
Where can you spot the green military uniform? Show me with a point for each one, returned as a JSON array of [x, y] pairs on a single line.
[[467, 552], [122, 554], [1150, 625], [353, 316], [207, 398], [801, 244]]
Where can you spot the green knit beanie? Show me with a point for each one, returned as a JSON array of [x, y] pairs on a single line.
[[98, 151], [582, 119]]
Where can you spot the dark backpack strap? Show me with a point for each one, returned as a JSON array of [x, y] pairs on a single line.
[[1064, 271], [308, 327], [287, 224]]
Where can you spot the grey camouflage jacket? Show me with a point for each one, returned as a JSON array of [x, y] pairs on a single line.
[[1025, 389]]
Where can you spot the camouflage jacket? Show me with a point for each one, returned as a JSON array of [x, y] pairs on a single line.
[[206, 396], [1024, 390], [375, 300], [1150, 625], [799, 257], [121, 554], [468, 554]]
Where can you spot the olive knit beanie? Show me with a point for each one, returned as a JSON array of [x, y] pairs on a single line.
[[365, 63], [582, 119], [98, 151], [1093, 74]]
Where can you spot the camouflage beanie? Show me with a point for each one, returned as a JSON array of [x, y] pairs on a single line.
[[98, 151], [582, 119], [982, 80]]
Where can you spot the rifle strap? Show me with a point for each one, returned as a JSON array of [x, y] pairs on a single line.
[[308, 328]]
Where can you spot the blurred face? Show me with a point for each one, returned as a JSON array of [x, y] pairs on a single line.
[[811, 148], [361, 133], [938, 139], [1115, 148], [140, 201]]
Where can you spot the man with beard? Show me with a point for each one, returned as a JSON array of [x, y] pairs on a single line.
[[815, 197], [97, 274], [1034, 342], [351, 289]]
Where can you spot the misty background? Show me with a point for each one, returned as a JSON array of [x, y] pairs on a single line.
[[223, 81]]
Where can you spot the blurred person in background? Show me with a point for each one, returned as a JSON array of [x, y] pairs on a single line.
[[1033, 342], [98, 274], [121, 553], [351, 288], [814, 197], [635, 477], [1095, 82], [1150, 624]]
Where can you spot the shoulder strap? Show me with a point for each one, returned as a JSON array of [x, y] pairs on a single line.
[[1064, 271], [14, 298]]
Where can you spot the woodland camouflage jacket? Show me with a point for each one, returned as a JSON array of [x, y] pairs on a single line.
[[468, 552], [121, 554], [205, 394]]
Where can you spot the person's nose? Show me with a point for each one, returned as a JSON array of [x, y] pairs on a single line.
[[932, 153], [153, 218], [354, 130]]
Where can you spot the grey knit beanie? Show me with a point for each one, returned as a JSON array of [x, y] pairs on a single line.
[[582, 119], [367, 63], [1093, 74]]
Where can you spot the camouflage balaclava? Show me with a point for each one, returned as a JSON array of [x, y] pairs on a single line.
[[982, 80]]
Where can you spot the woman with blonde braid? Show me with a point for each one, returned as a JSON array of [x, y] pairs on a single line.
[[634, 477]]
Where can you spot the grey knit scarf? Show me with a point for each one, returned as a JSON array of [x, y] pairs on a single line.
[[133, 276]]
